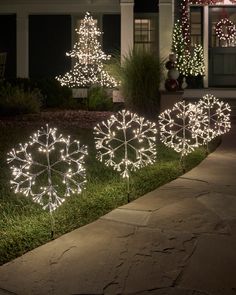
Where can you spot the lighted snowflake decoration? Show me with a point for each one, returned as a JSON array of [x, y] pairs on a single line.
[[48, 168], [217, 114], [126, 142], [178, 127]]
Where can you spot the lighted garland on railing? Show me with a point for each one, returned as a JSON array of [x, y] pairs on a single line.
[[38, 165]]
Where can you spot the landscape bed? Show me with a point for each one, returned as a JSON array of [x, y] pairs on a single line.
[[25, 226]]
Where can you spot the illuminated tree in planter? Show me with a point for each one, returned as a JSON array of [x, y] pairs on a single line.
[[178, 128], [126, 142], [196, 62], [187, 62], [217, 115], [89, 59], [48, 168]]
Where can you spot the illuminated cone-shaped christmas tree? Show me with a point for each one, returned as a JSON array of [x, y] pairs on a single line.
[[179, 48], [89, 58]]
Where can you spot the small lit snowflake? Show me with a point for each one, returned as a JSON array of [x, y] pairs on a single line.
[[217, 115], [48, 168], [178, 127], [126, 142]]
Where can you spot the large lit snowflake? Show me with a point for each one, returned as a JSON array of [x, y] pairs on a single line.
[[126, 142], [179, 125], [217, 115], [48, 168]]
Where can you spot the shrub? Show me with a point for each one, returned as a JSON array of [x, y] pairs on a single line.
[[99, 100], [53, 94], [140, 77], [15, 100]]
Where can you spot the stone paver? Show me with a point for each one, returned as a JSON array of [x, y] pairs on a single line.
[[177, 240]]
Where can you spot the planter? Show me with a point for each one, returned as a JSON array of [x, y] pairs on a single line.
[[80, 92], [194, 82], [117, 96]]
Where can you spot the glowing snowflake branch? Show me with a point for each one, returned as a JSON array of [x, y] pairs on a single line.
[[126, 142], [130, 133], [38, 166], [217, 114], [177, 128]]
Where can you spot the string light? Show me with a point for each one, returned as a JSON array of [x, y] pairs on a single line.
[[178, 127], [39, 164], [126, 142], [89, 59]]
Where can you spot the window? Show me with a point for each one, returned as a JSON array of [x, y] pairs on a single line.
[[196, 25], [145, 34]]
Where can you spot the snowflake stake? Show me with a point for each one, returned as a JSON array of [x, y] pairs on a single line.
[[126, 142], [218, 117], [48, 159], [177, 128]]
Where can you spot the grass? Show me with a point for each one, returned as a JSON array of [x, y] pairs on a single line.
[[24, 225]]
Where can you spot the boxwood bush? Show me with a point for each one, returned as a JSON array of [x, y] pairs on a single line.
[[14, 100]]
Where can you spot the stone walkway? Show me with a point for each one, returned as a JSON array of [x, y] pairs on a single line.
[[177, 240]]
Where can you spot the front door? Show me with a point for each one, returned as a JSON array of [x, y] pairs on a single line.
[[222, 51]]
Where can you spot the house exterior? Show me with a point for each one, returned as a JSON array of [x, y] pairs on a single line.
[[37, 33]]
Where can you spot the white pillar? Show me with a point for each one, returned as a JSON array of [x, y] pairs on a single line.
[[22, 46], [166, 22], [206, 43], [127, 26]]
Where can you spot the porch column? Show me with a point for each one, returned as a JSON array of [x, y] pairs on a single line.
[[206, 43], [166, 22], [127, 26], [22, 51]]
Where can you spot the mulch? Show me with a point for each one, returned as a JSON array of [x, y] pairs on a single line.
[[80, 118]]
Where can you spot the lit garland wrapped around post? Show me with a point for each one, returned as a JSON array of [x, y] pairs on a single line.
[[126, 142], [178, 128], [37, 165], [89, 58]]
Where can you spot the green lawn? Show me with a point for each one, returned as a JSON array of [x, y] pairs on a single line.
[[24, 225]]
